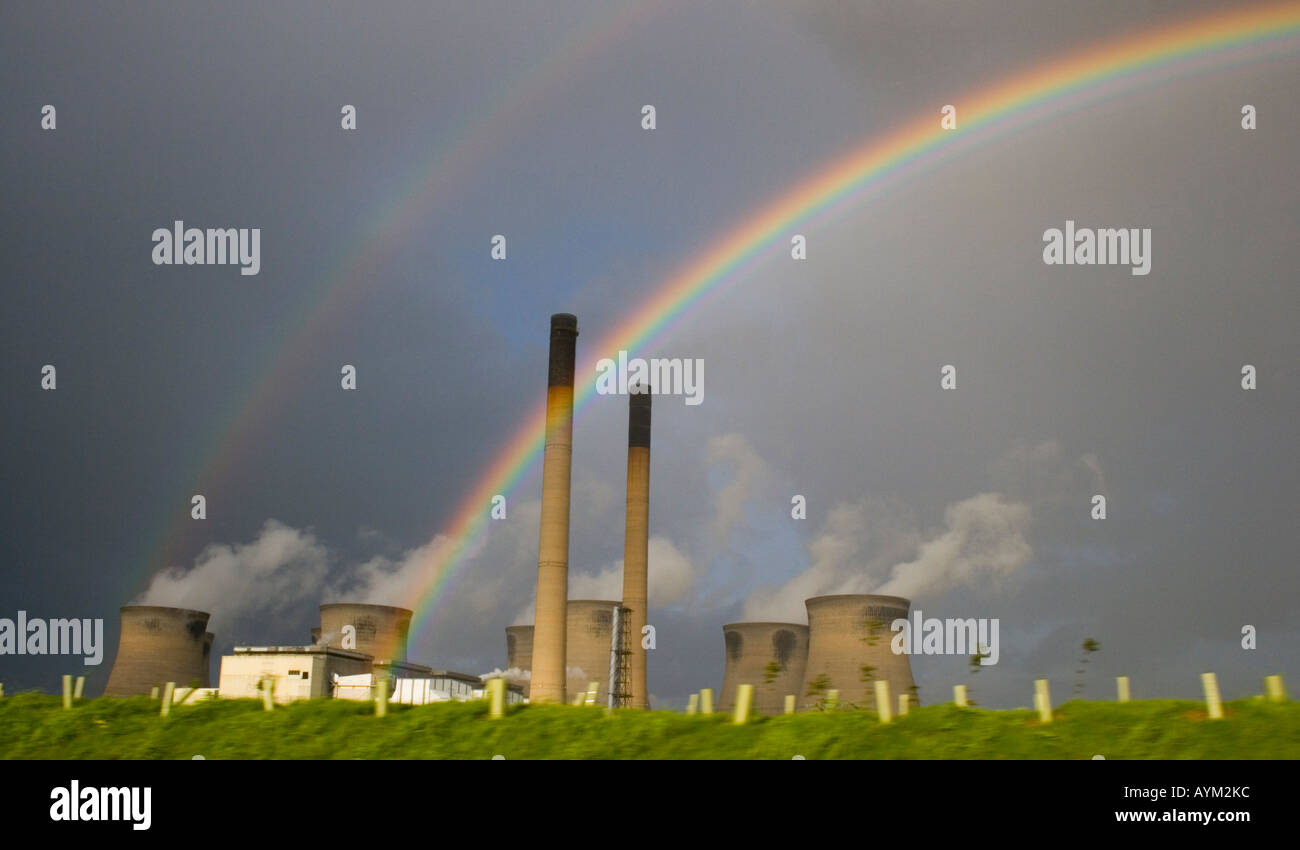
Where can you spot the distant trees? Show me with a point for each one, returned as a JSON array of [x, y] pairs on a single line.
[[1089, 646]]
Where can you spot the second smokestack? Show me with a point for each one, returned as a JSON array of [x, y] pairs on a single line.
[[553, 548], [636, 541]]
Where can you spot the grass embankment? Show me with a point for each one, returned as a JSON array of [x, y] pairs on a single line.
[[35, 726]]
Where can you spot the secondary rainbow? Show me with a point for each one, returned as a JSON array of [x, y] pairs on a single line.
[[325, 306], [1240, 35]]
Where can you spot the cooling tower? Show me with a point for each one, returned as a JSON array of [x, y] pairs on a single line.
[[636, 542], [549, 660], [590, 625], [205, 681], [380, 631], [159, 645], [769, 656], [519, 651], [847, 633]]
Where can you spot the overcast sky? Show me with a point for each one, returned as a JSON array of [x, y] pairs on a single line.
[[822, 376]]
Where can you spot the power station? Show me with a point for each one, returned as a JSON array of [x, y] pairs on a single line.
[[358, 647], [769, 656], [636, 542], [159, 644], [849, 647], [550, 619]]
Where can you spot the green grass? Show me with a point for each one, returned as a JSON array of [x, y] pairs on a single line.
[[34, 726]]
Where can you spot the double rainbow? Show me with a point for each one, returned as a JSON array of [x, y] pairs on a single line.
[[1240, 35]]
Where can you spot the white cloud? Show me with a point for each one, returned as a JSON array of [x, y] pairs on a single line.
[[748, 472], [670, 574]]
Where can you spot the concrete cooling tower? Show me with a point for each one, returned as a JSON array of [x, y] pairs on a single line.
[[847, 633], [519, 650], [590, 626], [160, 645], [379, 630], [769, 656], [205, 681]]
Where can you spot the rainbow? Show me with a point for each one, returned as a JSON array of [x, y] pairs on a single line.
[[453, 162], [1210, 41]]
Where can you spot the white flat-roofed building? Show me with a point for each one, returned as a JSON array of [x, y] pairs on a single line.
[[298, 672]]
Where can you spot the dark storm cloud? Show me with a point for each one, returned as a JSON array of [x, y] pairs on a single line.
[[822, 376]]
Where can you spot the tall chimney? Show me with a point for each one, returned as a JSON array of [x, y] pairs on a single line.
[[636, 540], [553, 549]]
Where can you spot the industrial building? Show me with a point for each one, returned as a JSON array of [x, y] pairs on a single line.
[[355, 646], [519, 651], [589, 635], [159, 644], [769, 656], [636, 547], [550, 620], [844, 647], [437, 686], [849, 648], [297, 672], [379, 631]]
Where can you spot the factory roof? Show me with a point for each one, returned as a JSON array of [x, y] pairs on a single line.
[[301, 650]]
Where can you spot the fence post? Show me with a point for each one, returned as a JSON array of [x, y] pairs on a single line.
[[496, 697], [268, 693], [1272, 686], [693, 704], [1212, 702], [706, 700], [67, 692], [789, 703], [381, 695], [832, 699], [904, 702], [1122, 683], [882, 701], [1043, 700], [168, 689], [744, 699], [959, 695]]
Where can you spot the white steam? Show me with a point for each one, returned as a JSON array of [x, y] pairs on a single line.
[[861, 549], [875, 546], [281, 567]]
